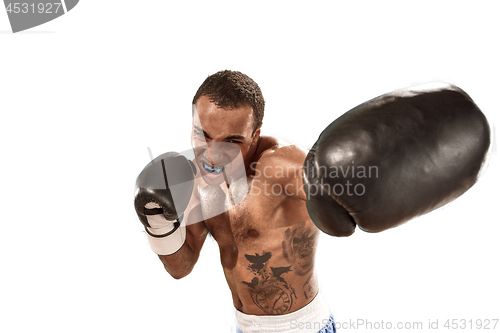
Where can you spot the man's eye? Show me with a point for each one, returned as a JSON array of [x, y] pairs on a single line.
[[234, 141]]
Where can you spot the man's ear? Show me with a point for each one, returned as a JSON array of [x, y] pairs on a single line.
[[256, 134]]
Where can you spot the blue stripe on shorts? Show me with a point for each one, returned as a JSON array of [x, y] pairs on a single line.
[[329, 327]]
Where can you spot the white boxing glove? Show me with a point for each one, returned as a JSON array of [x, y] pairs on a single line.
[[165, 237]]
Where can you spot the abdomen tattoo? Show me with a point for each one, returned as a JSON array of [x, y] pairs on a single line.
[[269, 290]]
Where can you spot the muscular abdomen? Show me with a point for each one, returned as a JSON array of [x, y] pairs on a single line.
[[270, 271]]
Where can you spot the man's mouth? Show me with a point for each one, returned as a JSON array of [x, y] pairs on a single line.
[[212, 170]]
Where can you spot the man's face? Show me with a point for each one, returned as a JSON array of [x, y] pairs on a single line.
[[222, 140]]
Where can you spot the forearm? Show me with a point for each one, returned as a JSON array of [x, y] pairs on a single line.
[[181, 263]]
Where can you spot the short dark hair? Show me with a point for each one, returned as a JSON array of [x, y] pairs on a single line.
[[232, 89]]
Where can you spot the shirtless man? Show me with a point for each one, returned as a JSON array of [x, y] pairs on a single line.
[[247, 191]]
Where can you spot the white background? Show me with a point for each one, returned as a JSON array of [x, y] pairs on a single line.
[[83, 96]]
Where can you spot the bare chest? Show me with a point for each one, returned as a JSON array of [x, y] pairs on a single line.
[[235, 223], [237, 214]]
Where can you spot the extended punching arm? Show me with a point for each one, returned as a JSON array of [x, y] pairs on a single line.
[[395, 157]]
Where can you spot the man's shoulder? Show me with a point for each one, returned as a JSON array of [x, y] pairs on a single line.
[[280, 153]]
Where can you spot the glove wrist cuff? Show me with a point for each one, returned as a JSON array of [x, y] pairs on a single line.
[[164, 241], [176, 226]]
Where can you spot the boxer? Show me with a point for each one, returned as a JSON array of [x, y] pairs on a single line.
[[264, 201]]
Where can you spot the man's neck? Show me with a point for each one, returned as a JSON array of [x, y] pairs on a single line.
[[252, 156]]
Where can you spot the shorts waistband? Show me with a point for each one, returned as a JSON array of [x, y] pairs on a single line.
[[310, 319]]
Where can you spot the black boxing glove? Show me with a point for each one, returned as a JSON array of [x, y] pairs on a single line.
[[163, 191], [393, 158]]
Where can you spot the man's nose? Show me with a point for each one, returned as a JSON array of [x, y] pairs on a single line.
[[214, 151], [210, 155]]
